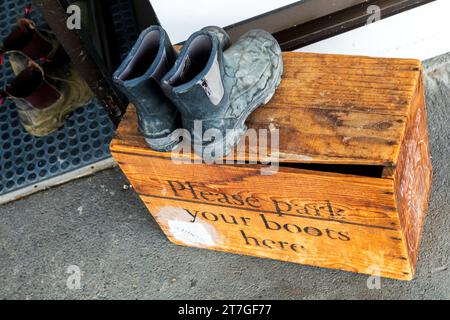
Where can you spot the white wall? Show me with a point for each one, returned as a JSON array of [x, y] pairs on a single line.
[[420, 33], [181, 18]]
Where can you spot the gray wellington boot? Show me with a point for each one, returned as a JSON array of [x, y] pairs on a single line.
[[138, 78], [217, 90]]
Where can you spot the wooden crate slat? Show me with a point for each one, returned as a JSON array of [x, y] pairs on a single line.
[[332, 111]]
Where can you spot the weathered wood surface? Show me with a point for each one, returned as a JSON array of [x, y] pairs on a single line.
[[329, 109], [413, 176], [349, 223]]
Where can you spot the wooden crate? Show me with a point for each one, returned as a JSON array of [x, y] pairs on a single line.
[[353, 187]]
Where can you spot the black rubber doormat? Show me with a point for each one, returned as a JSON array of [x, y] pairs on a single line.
[[29, 164]]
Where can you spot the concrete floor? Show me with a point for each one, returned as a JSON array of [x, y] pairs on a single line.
[[105, 230]]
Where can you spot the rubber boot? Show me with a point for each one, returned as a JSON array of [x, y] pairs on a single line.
[[139, 77], [217, 90]]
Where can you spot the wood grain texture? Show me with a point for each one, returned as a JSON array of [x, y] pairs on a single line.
[[329, 109], [354, 227], [413, 177]]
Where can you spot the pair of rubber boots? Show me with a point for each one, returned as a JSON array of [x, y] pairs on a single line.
[[46, 87], [210, 88]]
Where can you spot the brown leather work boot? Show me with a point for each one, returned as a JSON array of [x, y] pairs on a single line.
[[36, 43], [43, 102]]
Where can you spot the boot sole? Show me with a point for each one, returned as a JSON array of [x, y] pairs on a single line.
[[166, 144], [231, 140]]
